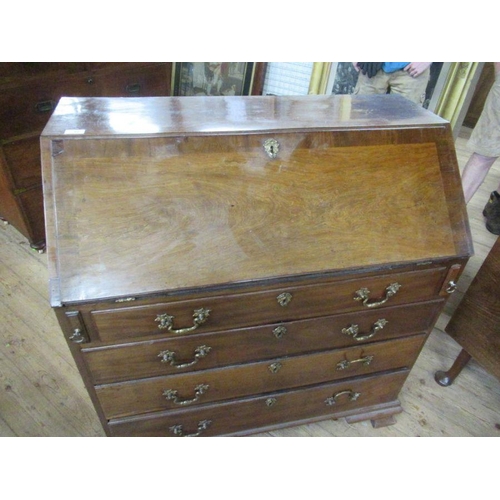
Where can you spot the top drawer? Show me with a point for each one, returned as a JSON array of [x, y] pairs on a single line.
[[247, 309], [27, 107]]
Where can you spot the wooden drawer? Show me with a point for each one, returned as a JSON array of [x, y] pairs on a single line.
[[27, 107], [13, 72], [150, 80], [175, 355], [23, 160], [129, 398], [272, 410], [248, 309]]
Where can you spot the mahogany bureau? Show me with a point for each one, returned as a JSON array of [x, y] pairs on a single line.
[[227, 266]]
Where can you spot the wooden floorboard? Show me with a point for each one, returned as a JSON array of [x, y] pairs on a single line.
[[41, 393]]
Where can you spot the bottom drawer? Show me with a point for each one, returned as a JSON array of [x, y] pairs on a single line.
[[273, 410]]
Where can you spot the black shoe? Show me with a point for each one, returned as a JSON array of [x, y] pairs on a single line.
[[492, 213], [493, 203]]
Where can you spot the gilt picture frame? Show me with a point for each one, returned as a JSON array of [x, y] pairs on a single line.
[[217, 78]]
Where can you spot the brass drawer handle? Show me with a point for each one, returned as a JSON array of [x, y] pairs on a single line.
[[353, 330], [45, 106], [451, 287], [172, 395], [78, 337], [199, 353], [133, 88], [178, 430], [167, 322], [353, 396], [342, 365], [363, 294]]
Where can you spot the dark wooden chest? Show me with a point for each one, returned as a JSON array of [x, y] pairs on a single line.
[[223, 266]]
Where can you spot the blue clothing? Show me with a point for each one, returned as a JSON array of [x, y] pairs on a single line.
[[391, 67]]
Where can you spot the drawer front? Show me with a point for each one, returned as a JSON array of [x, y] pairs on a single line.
[[324, 401], [248, 309], [152, 80], [28, 107], [200, 352], [129, 398], [23, 160], [11, 72]]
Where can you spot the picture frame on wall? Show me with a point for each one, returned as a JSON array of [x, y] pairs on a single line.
[[218, 78]]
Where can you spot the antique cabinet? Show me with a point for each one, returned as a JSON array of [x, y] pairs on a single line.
[[228, 265], [29, 93]]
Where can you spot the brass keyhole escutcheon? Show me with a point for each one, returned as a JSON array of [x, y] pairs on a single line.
[[272, 147], [279, 331], [284, 299], [275, 367]]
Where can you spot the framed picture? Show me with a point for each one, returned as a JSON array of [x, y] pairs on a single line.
[[218, 78]]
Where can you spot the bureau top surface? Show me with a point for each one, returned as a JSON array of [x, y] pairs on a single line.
[[88, 117], [175, 197]]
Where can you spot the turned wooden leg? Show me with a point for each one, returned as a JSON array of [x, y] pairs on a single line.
[[38, 247], [446, 378]]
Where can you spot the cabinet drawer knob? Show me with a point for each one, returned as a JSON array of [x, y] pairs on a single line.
[[353, 330], [167, 322], [178, 429], [353, 396], [169, 357], [363, 294], [342, 365], [172, 395]]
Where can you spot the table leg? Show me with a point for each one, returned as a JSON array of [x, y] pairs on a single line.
[[446, 378]]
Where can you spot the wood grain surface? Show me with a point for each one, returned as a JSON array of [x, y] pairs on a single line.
[[305, 211], [42, 393]]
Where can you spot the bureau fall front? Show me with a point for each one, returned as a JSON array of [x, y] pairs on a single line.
[[227, 266]]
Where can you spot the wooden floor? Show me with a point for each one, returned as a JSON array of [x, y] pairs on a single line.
[[41, 393]]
